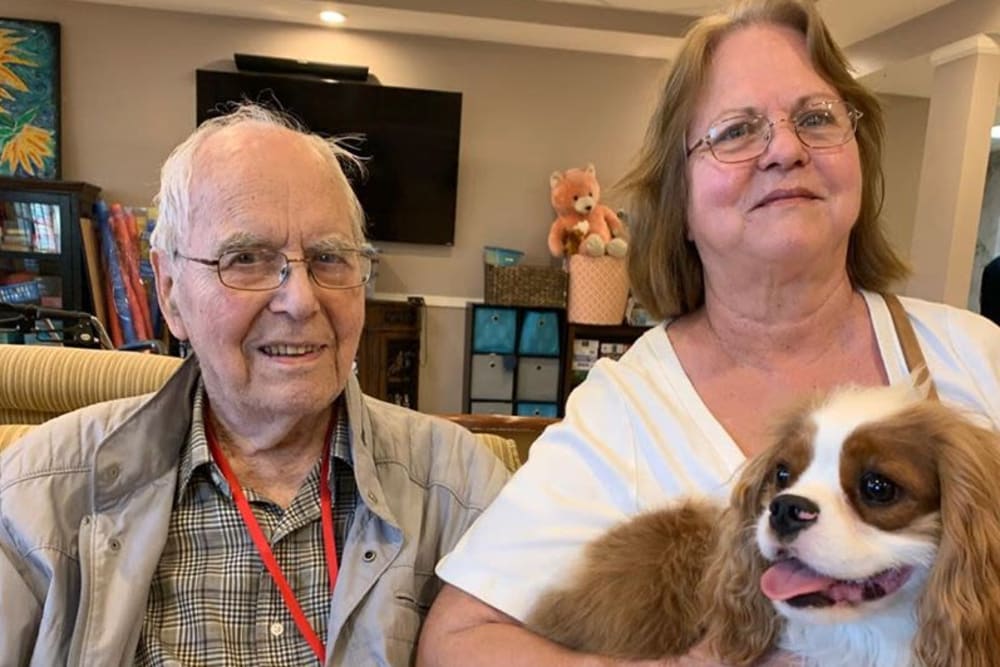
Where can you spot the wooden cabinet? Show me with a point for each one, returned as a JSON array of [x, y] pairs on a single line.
[[513, 360], [41, 248], [389, 354], [586, 343]]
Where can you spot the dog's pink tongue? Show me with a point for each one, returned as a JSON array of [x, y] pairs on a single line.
[[790, 578]]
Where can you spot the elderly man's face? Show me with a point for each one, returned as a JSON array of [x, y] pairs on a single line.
[[283, 352]]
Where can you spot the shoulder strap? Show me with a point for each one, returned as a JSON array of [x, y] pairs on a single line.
[[912, 353]]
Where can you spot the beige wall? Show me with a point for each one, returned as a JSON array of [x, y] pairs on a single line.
[[953, 169], [906, 126], [128, 97]]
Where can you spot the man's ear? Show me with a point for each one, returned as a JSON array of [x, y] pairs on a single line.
[[163, 270]]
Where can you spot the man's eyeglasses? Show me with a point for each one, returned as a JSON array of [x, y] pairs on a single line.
[[743, 137], [260, 270]]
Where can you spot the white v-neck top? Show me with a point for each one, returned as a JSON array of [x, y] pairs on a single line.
[[637, 435]]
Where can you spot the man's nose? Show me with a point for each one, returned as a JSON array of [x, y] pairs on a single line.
[[297, 294]]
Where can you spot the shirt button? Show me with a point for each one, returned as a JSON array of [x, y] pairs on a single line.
[[368, 556], [277, 629], [113, 471], [372, 497]]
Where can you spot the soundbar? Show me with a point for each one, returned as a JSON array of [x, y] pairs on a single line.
[[246, 62]]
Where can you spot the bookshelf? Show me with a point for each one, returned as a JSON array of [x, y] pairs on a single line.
[[41, 242], [586, 343], [513, 360]]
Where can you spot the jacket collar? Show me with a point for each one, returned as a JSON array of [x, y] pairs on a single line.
[[146, 446], [160, 427]]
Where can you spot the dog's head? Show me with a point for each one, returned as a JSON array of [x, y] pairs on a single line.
[[850, 513], [870, 501]]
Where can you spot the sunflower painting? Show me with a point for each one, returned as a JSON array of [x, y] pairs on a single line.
[[29, 98]]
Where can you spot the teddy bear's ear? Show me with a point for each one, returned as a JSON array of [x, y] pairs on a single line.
[[591, 169], [555, 179]]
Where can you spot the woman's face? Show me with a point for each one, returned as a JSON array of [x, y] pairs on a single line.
[[792, 208]]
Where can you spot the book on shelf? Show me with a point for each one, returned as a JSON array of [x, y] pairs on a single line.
[[129, 299], [11, 337], [145, 219], [50, 289], [23, 292], [613, 350], [119, 311], [92, 262], [46, 223], [15, 232], [585, 353], [30, 227]]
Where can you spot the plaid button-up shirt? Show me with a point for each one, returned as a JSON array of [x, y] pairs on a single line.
[[212, 600]]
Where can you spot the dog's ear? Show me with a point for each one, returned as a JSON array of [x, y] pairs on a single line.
[[959, 612], [731, 586]]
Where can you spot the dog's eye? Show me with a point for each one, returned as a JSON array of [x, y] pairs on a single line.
[[877, 489], [782, 476]]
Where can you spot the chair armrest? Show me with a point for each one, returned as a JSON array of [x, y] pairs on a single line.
[[522, 430], [505, 449], [11, 432]]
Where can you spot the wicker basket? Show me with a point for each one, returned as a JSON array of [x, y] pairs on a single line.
[[540, 286]]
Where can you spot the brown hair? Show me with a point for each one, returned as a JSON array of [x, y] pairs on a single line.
[[664, 266]]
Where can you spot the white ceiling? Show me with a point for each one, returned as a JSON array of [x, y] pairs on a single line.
[[886, 39]]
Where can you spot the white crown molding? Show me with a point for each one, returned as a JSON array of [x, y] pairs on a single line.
[[970, 46]]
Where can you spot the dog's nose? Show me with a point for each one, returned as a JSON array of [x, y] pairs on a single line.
[[791, 513]]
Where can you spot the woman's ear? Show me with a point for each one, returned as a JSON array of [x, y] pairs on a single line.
[[163, 270]]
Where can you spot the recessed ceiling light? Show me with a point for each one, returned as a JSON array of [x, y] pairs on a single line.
[[330, 16]]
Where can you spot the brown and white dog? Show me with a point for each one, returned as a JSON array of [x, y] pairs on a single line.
[[867, 535]]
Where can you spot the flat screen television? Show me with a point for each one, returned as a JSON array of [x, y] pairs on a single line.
[[409, 137]]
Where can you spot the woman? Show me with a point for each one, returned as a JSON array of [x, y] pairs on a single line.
[[757, 235]]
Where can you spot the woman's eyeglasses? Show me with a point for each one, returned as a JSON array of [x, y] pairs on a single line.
[[743, 137]]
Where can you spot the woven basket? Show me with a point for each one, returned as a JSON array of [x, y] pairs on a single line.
[[598, 290], [539, 286]]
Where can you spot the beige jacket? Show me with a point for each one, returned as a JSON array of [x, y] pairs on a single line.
[[85, 501]]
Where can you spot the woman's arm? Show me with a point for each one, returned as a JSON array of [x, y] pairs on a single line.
[[461, 631]]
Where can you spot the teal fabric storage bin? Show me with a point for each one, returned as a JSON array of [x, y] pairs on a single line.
[[537, 409], [494, 330], [540, 334]]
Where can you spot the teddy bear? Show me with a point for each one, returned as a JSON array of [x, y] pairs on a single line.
[[583, 224]]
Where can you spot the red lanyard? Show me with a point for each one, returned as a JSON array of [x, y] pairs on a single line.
[[329, 541]]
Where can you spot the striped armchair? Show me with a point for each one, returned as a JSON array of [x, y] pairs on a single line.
[[38, 382]]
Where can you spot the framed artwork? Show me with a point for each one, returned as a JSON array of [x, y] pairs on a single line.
[[29, 98]]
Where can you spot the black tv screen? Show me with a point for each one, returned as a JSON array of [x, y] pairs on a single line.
[[409, 137]]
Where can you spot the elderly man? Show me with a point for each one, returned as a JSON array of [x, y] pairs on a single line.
[[258, 510]]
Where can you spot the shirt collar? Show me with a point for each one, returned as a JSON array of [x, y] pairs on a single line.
[[196, 456]]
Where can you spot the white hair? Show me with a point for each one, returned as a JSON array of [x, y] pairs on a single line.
[[174, 197]]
